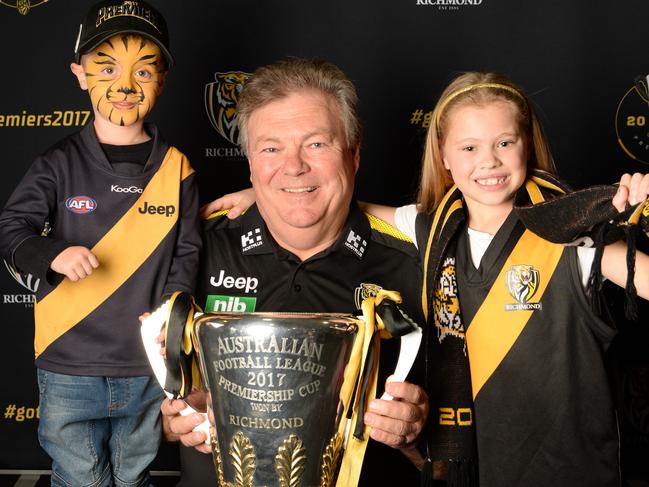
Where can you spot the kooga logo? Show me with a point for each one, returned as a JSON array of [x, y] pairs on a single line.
[[119, 189]]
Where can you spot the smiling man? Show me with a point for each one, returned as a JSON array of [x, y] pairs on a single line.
[[305, 246]]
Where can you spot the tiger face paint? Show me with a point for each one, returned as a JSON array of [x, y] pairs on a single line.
[[124, 76]]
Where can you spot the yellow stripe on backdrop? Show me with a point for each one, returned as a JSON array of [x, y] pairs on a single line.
[[120, 253]]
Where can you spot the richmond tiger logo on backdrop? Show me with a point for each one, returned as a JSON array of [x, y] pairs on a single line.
[[221, 97]]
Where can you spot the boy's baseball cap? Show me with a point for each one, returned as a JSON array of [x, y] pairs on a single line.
[[110, 17]]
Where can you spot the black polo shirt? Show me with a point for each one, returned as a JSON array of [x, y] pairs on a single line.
[[243, 269]]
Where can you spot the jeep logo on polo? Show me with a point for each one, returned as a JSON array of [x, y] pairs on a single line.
[[248, 284], [166, 210], [124, 189], [81, 204]]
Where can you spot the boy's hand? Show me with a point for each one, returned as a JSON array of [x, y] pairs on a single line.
[[75, 263]]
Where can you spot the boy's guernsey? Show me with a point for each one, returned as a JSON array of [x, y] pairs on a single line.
[[134, 224]]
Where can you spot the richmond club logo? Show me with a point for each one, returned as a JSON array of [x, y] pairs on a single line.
[[221, 98], [522, 283]]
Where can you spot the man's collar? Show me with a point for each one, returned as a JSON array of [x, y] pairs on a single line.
[[354, 237]]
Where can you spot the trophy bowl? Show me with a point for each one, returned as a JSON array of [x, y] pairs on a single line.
[[274, 383]]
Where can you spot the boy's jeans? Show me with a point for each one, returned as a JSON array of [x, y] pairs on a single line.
[[99, 431]]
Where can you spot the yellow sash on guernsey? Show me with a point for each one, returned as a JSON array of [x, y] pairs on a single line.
[[120, 252], [494, 329]]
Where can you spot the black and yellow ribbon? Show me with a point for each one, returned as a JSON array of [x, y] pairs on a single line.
[[382, 319], [183, 374]]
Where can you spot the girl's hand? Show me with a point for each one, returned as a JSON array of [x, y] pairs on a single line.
[[237, 203], [633, 189]]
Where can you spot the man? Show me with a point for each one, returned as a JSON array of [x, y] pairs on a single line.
[[306, 246]]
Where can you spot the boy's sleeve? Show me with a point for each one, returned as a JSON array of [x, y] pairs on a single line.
[[184, 266], [23, 221]]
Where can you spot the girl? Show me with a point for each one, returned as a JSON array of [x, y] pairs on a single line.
[[513, 303], [514, 350]]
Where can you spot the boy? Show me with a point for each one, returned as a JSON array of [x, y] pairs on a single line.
[[107, 219]]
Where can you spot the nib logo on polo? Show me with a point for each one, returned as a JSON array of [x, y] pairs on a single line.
[[149, 209]]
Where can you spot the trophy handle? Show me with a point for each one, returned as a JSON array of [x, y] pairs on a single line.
[[150, 329]]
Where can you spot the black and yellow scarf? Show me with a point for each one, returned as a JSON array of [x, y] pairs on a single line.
[[548, 209]]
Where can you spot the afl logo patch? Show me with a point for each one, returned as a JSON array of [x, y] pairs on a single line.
[[81, 204]]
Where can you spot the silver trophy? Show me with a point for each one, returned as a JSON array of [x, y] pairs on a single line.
[[286, 391]]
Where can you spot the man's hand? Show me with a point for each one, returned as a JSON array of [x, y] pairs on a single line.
[[398, 422], [75, 263], [179, 428]]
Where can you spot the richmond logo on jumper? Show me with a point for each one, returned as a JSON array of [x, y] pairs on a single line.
[[81, 204], [251, 239], [522, 283], [149, 209], [124, 189], [248, 284]]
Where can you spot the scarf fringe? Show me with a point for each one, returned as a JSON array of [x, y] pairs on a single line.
[[462, 473]]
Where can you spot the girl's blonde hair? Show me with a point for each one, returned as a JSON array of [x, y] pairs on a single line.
[[475, 88]]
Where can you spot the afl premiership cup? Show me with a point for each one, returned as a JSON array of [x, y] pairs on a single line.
[[285, 391]]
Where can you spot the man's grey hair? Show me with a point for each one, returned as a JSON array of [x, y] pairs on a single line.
[[279, 80]]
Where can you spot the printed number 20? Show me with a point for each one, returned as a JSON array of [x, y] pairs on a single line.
[[452, 417]]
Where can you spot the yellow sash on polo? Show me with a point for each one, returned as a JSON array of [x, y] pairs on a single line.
[[121, 251], [501, 318]]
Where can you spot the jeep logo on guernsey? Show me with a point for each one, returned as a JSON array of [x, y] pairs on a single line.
[[149, 209], [81, 204], [248, 284]]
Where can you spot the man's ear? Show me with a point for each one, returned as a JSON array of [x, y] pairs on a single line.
[[356, 155], [80, 73]]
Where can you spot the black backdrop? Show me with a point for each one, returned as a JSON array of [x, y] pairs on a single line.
[[578, 59]]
